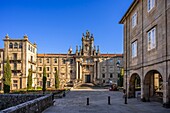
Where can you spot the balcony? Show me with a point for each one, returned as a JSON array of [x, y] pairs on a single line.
[[15, 59], [32, 61]]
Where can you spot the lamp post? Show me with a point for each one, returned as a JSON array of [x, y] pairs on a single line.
[[124, 91]]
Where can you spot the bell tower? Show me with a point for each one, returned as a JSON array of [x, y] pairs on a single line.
[[87, 44]]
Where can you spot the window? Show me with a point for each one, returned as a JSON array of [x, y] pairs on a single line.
[[103, 81], [103, 75], [111, 75], [64, 61], [40, 75], [11, 45], [48, 61], [87, 67], [31, 67], [33, 50], [15, 73], [152, 39], [71, 61], [15, 81], [40, 60], [134, 20], [31, 58], [111, 60], [16, 45], [28, 47], [55, 60], [103, 68], [48, 69], [15, 85], [55, 68], [20, 45], [15, 66], [15, 56], [151, 4], [134, 49], [40, 68], [48, 75]]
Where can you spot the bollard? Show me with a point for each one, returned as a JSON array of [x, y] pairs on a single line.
[[109, 100], [87, 101], [64, 94]]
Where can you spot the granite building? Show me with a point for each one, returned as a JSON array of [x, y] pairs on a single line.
[[85, 65], [146, 49]]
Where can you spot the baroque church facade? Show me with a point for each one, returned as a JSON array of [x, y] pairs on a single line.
[[85, 65]]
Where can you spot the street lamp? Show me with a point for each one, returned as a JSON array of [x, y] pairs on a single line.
[[124, 91]]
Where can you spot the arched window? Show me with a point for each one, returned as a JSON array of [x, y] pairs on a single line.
[[16, 45], [20, 45], [11, 45]]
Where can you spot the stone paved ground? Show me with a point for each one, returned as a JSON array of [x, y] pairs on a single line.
[[75, 102]]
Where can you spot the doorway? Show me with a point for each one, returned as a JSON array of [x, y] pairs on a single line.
[[87, 79]]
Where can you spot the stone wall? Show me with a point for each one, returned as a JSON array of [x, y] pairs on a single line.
[[37, 105]]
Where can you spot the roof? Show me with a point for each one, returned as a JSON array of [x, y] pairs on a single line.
[[128, 11], [62, 55], [111, 55]]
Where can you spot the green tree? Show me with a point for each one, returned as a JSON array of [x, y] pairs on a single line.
[[44, 79], [57, 82], [7, 76], [29, 80]]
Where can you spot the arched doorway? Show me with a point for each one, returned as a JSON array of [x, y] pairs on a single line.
[[134, 85], [153, 86]]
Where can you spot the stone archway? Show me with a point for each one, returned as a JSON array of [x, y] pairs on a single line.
[[153, 86], [134, 85]]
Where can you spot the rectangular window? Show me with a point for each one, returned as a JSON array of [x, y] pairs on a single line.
[[151, 39], [15, 81], [151, 4], [111, 75], [103, 75], [15, 73], [64, 61], [15, 66], [31, 58], [134, 49], [55, 60], [15, 56], [71, 61], [48, 75], [40, 60], [48, 61], [48, 68], [55, 68], [40, 68], [134, 20], [87, 67]]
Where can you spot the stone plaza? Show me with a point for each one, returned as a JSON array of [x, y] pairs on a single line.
[[76, 102]]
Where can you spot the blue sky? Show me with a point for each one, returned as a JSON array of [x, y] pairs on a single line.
[[55, 25]]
